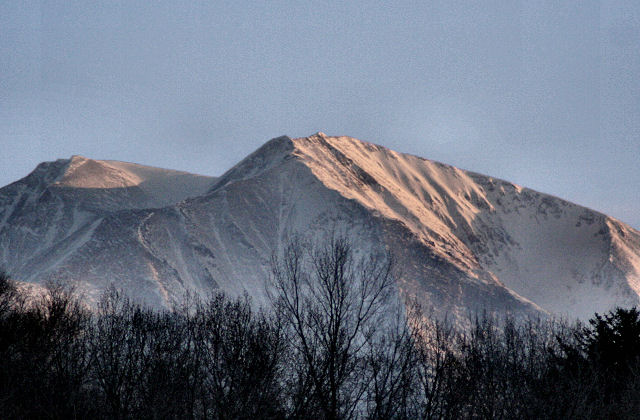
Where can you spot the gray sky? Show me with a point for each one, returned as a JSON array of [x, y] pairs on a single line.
[[545, 93]]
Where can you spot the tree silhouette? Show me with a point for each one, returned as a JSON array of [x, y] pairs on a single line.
[[331, 306]]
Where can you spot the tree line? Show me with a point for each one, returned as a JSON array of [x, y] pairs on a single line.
[[335, 343]]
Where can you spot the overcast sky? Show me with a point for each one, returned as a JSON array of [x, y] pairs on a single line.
[[542, 93]]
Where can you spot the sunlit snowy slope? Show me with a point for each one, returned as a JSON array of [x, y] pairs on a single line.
[[463, 241]]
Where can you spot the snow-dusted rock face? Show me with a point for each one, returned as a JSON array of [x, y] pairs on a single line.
[[463, 241]]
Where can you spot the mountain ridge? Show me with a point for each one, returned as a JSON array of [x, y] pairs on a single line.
[[468, 240]]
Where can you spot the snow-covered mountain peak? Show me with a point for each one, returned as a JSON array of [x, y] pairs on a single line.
[[318, 147], [159, 186], [99, 186], [88, 173], [430, 198], [490, 229], [465, 241], [269, 155]]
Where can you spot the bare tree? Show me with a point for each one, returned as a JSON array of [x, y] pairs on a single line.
[[238, 353], [120, 348], [391, 370], [330, 305], [436, 365]]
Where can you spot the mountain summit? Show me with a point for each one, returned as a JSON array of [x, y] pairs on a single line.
[[465, 241]]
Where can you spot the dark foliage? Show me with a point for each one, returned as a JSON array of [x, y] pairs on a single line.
[[213, 359], [598, 367], [330, 349]]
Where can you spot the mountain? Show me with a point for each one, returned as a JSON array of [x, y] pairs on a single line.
[[48, 216], [463, 241]]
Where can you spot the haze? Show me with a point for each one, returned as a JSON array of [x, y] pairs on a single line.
[[545, 95]]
